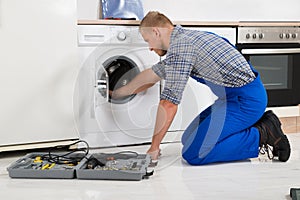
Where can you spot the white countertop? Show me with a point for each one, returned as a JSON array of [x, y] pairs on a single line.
[[194, 23]]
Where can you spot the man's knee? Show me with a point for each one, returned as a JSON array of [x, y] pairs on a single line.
[[192, 158]]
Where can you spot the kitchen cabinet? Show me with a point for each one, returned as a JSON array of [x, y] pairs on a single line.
[[38, 71]]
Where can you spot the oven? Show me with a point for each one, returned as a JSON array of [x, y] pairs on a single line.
[[275, 53]]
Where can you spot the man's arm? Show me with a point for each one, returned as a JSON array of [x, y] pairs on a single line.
[[166, 110], [141, 82], [164, 118]]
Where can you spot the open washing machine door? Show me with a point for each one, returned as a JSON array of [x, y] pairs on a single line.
[[116, 72], [104, 121]]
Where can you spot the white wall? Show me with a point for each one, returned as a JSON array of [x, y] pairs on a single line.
[[227, 10], [88, 9], [210, 10]]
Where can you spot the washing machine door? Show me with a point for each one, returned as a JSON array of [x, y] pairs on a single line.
[[122, 121], [114, 73]]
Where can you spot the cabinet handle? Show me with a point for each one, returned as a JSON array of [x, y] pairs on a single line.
[[270, 51]]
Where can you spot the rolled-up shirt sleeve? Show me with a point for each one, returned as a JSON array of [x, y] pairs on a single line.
[[177, 69], [159, 69], [177, 75]]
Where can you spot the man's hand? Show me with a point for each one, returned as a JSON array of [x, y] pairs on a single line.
[[154, 154], [141, 82]]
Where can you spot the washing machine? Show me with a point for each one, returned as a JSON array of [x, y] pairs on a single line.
[[111, 56]]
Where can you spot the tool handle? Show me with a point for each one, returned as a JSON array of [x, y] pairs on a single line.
[[295, 193]]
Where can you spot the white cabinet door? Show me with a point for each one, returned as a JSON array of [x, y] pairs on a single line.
[[38, 70]]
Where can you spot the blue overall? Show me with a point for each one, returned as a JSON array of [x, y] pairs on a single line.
[[224, 131]]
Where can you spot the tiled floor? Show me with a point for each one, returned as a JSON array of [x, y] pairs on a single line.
[[253, 179]]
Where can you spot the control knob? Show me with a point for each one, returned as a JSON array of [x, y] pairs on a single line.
[[248, 35], [281, 35], [254, 36], [294, 35], [287, 36], [261, 36], [121, 36]]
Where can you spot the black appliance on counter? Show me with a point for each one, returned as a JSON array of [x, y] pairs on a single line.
[[275, 53]]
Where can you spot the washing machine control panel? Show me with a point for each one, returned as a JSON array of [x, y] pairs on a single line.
[[93, 35]]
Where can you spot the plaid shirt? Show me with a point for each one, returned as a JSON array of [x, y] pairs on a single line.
[[204, 55]]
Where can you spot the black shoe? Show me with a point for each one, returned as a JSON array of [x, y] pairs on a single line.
[[271, 134]]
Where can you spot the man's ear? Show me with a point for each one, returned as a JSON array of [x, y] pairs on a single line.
[[156, 31]]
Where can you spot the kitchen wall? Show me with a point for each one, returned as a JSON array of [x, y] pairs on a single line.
[[227, 10], [213, 10], [88, 9]]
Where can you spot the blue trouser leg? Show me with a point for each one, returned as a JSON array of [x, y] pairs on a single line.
[[224, 132], [195, 123]]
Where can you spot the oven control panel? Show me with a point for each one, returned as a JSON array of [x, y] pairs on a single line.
[[268, 35]]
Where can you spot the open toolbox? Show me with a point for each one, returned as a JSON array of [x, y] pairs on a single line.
[[124, 165], [45, 165]]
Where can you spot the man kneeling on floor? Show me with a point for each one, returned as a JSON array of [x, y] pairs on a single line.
[[236, 126]]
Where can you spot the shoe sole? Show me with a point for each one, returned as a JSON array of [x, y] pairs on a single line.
[[284, 154]]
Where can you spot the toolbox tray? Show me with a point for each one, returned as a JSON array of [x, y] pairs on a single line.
[[25, 167], [116, 166]]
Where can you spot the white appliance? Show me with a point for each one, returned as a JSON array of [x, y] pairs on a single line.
[[38, 70], [197, 97], [111, 56]]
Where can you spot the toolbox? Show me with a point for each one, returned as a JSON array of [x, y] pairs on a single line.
[[45, 165], [125, 165], [115, 166]]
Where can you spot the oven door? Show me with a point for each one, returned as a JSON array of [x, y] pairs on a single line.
[[279, 69]]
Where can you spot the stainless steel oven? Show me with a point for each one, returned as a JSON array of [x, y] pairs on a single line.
[[275, 53]]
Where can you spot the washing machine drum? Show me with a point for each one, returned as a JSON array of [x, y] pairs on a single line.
[[120, 71]]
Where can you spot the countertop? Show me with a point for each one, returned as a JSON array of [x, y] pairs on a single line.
[[195, 23]]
